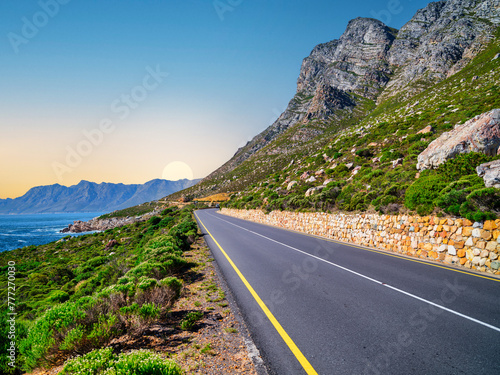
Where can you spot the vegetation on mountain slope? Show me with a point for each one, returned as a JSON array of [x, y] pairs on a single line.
[[369, 161], [388, 134]]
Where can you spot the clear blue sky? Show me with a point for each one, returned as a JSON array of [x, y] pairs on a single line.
[[232, 68]]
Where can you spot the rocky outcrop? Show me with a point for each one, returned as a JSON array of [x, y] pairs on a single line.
[[480, 134], [439, 41], [490, 172], [356, 62], [99, 225]]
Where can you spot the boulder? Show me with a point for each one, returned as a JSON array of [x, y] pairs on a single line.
[[427, 129], [313, 190], [480, 134], [327, 181], [355, 171], [490, 172], [291, 185], [397, 163]]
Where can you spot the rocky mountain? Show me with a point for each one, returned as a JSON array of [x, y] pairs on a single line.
[[437, 42], [90, 197], [334, 79], [369, 68]]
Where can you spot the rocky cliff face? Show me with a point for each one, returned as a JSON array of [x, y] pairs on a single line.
[[437, 42], [357, 63]]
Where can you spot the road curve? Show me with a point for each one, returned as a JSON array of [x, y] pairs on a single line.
[[317, 306]]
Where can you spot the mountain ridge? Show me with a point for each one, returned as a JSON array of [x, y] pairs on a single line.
[[89, 196]]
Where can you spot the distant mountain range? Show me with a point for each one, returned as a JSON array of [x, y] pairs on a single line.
[[90, 197]]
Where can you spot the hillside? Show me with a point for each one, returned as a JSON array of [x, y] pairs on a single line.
[[148, 286], [90, 197], [361, 102]]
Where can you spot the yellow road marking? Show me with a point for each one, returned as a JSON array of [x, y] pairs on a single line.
[[291, 345], [379, 251]]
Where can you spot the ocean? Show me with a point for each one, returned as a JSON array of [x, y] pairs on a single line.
[[37, 229]]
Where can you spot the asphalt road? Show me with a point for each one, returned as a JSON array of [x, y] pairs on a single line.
[[318, 306]]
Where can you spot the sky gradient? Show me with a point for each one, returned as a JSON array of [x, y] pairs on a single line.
[[117, 91]]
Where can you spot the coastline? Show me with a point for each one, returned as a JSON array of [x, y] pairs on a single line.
[[21, 230]]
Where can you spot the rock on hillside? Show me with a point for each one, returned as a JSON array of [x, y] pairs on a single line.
[[480, 134], [439, 41], [490, 172]]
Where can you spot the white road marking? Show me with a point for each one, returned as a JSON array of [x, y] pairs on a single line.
[[368, 278]]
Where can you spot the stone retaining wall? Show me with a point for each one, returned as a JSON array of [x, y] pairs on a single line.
[[452, 241]]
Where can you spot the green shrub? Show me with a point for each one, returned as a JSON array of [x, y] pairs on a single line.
[[146, 283], [155, 220], [58, 296], [174, 284], [128, 290], [340, 171], [73, 338], [390, 155], [481, 216], [166, 222], [103, 330], [147, 269], [190, 320], [364, 153], [41, 336], [161, 241], [485, 199], [451, 200], [125, 280], [130, 309], [417, 147], [93, 363], [149, 311], [143, 362], [169, 211], [462, 165], [422, 193]]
